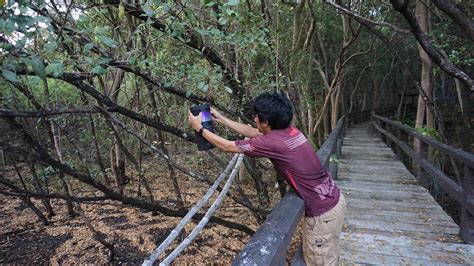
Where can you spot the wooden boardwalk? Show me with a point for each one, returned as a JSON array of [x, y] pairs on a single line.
[[390, 219]]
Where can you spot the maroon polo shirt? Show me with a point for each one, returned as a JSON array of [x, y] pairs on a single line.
[[295, 159]]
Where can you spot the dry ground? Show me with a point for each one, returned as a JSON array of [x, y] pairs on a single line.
[[136, 233]]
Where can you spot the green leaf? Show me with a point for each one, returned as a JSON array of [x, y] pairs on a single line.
[[6, 46], [38, 67], [210, 4], [201, 85], [133, 60], [231, 13], [87, 47], [202, 32], [107, 41], [56, 69], [205, 88], [101, 30], [222, 20], [233, 2], [104, 60], [188, 93], [149, 12], [99, 70], [229, 90], [89, 60], [9, 75], [67, 39], [51, 47]]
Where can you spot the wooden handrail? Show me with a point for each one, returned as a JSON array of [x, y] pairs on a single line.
[[269, 244], [460, 155], [462, 193]]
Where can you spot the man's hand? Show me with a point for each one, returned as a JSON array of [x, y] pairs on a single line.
[[216, 116], [195, 121]]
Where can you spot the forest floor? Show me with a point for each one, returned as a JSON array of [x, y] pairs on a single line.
[[135, 232]]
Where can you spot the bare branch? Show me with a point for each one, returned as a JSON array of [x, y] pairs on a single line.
[[457, 15], [43, 156], [423, 39], [353, 14], [14, 113]]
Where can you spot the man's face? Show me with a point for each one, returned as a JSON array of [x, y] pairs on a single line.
[[262, 127]]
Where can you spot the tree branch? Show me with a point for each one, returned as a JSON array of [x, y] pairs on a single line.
[[423, 39], [43, 156], [192, 39], [457, 15], [354, 15], [4, 113]]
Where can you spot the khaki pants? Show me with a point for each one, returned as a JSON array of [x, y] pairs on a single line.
[[321, 235]]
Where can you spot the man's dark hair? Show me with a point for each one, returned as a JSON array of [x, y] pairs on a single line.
[[274, 108]]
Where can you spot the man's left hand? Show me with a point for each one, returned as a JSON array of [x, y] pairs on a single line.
[[195, 121]]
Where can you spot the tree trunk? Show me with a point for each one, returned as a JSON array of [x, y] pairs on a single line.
[[161, 139], [57, 146], [119, 158], [39, 188], [27, 200], [426, 67]]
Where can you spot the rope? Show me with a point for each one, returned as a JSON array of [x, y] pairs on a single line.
[[175, 232], [167, 261]]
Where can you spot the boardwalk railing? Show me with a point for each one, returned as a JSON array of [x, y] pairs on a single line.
[[269, 244], [462, 192]]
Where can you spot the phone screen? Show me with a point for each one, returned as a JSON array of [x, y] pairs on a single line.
[[206, 116]]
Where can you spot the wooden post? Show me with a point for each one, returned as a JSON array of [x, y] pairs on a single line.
[[467, 218], [422, 154], [400, 153], [372, 119], [339, 147], [3, 159], [383, 125], [387, 139], [399, 150], [333, 167]]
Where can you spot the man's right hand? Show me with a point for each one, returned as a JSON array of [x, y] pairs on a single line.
[[216, 116]]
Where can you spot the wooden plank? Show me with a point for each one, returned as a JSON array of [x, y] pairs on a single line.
[[423, 218], [354, 143], [366, 150], [373, 171], [423, 215], [381, 186], [390, 194], [388, 254], [351, 257], [399, 240], [392, 199], [401, 226], [432, 236], [362, 161], [394, 206], [376, 178]]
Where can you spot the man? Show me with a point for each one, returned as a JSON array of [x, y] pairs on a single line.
[[295, 159]]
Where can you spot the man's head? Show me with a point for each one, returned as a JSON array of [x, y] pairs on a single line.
[[274, 109]]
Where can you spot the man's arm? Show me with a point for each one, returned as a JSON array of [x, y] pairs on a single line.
[[243, 129], [218, 141]]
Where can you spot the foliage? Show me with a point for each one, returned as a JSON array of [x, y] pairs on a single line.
[[145, 65]]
